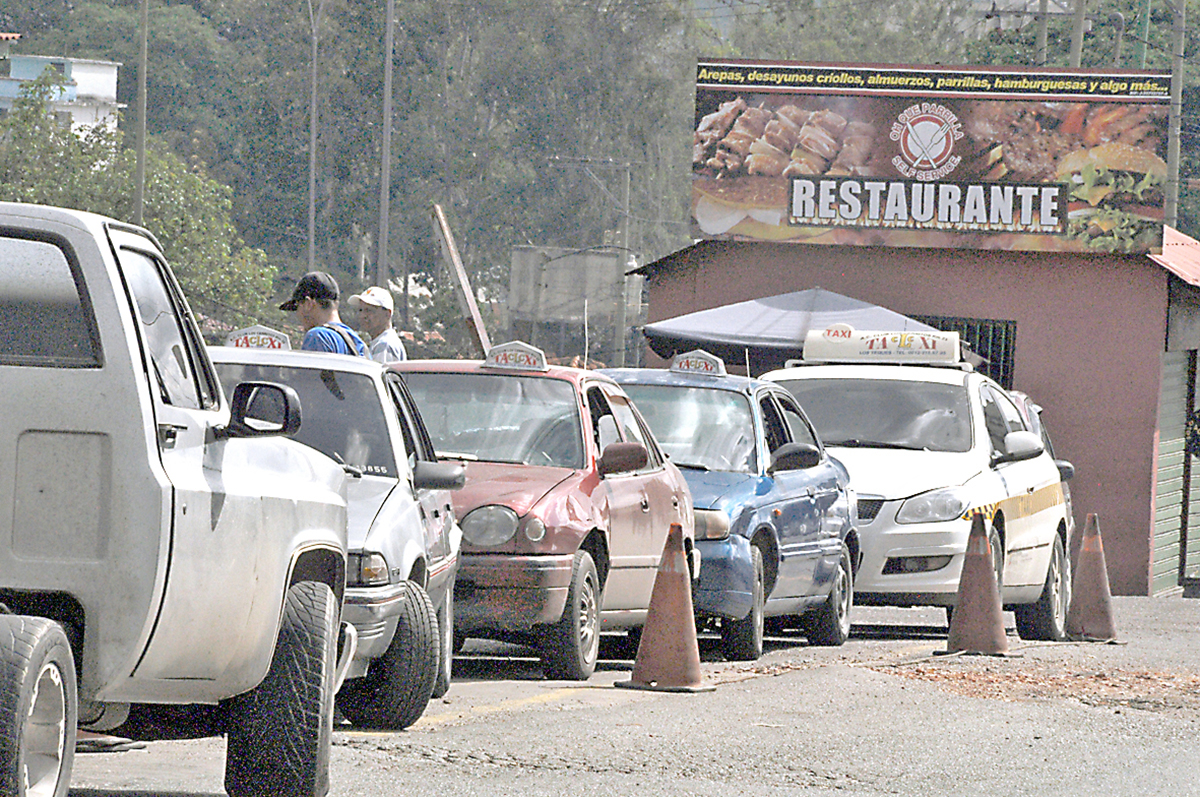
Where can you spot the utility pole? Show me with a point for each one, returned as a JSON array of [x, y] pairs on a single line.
[[1178, 40], [1043, 23], [139, 188], [1077, 33], [385, 169], [1139, 50], [314, 21]]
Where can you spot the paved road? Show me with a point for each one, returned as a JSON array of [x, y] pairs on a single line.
[[883, 715]]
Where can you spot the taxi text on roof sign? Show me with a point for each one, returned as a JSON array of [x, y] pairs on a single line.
[[516, 355], [258, 337], [843, 343], [698, 362]]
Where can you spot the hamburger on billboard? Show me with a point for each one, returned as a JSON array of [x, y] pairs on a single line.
[[971, 157]]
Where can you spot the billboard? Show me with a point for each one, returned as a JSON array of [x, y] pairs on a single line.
[[959, 157]]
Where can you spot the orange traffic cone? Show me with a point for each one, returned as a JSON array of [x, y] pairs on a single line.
[[1090, 616], [977, 625], [668, 656]]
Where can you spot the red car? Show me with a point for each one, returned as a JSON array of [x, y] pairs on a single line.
[[567, 503]]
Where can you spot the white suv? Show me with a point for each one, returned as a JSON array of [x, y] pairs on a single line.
[[927, 446]]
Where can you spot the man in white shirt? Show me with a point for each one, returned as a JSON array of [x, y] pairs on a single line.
[[375, 308]]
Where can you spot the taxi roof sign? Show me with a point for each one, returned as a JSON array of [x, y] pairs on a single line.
[[258, 337], [843, 343], [698, 361], [516, 355]]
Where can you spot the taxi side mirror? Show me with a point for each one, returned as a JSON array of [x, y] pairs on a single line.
[[1066, 471], [439, 475], [794, 456], [622, 458], [1019, 446]]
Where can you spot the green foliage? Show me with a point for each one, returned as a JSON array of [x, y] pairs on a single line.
[[42, 161]]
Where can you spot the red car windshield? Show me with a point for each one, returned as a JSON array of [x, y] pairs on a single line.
[[526, 420]]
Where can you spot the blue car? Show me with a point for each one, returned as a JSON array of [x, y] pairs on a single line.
[[775, 515]]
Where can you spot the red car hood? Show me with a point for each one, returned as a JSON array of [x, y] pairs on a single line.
[[518, 487]]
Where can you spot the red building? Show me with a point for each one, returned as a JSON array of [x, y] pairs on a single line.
[[1106, 343]]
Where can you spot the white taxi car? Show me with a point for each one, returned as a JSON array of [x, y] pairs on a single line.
[[929, 442]]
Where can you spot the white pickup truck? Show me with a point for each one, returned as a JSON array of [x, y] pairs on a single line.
[[171, 564]]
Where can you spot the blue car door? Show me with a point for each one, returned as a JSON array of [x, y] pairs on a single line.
[[790, 505], [821, 485]]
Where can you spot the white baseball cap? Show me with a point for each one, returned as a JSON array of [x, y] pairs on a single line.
[[373, 296]]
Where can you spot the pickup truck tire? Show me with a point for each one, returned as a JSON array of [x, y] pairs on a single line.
[[445, 621], [279, 733], [570, 647], [38, 707], [397, 687]]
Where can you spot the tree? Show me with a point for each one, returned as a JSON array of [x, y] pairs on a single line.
[[43, 161]]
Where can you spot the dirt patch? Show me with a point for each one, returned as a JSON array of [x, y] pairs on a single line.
[[1139, 689]]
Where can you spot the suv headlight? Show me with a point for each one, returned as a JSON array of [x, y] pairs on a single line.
[[366, 569], [933, 506], [711, 524], [489, 525]]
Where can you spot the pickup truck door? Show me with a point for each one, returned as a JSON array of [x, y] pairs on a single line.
[[204, 620]]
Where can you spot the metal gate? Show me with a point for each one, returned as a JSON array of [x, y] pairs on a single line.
[[993, 340]]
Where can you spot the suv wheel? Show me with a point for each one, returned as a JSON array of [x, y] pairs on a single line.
[[279, 732]]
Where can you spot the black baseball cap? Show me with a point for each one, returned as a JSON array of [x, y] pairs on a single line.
[[313, 285]]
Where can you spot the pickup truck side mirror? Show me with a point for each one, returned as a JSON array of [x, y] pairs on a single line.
[[1019, 446], [622, 458], [263, 409], [439, 475], [794, 456]]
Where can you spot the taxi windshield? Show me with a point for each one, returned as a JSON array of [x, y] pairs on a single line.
[[699, 428], [886, 413], [342, 413], [527, 420]]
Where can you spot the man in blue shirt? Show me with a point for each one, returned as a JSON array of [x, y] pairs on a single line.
[[315, 302]]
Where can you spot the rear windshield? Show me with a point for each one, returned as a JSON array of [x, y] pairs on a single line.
[[885, 413], [43, 318], [500, 417], [341, 415], [698, 427]]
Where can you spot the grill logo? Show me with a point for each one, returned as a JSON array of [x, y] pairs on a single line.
[[926, 133]]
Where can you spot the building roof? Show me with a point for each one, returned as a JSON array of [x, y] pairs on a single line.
[[1180, 255]]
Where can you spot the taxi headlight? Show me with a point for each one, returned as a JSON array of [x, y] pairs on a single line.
[[933, 506], [489, 525], [535, 529], [711, 524], [366, 569]]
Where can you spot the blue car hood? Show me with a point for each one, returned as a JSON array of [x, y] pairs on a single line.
[[710, 489]]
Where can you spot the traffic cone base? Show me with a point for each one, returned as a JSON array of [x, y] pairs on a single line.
[[977, 625], [1090, 615], [668, 655]]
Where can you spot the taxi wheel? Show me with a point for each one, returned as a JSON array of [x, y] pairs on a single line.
[[570, 647], [742, 640], [1046, 620], [399, 684], [830, 625]]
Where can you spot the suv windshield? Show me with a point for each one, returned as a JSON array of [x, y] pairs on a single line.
[[341, 414], [885, 413], [500, 417], [698, 427]]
